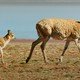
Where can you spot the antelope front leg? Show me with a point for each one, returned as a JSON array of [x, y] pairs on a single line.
[[42, 49], [32, 48]]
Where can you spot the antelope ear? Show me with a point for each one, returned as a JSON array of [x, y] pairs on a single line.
[[9, 31]]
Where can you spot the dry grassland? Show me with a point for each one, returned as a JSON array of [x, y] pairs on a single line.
[[16, 53]]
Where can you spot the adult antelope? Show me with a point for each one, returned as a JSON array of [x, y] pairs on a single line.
[[58, 29], [4, 41]]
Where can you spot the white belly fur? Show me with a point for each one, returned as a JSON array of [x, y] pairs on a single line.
[[6, 42]]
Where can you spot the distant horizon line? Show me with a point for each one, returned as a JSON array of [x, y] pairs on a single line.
[[32, 40], [38, 3]]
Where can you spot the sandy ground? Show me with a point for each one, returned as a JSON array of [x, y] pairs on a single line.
[[16, 53]]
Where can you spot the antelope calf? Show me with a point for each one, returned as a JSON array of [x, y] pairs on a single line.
[[57, 29], [4, 41]]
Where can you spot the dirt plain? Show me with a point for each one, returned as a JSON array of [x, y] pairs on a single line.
[[16, 53]]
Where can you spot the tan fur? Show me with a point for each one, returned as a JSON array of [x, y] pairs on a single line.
[[67, 29], [4, 41]]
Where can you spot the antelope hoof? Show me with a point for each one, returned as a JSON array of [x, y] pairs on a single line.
[[46, 61], [61, 59], [27, 60]]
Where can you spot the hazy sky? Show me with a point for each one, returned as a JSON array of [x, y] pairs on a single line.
[[22, 19]]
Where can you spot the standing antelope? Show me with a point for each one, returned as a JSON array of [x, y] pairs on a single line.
[[58, 29], [4, 41]]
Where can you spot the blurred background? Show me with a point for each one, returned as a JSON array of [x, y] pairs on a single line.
[[21, 16]]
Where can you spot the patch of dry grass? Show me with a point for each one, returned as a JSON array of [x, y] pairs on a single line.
[[16, 53]]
